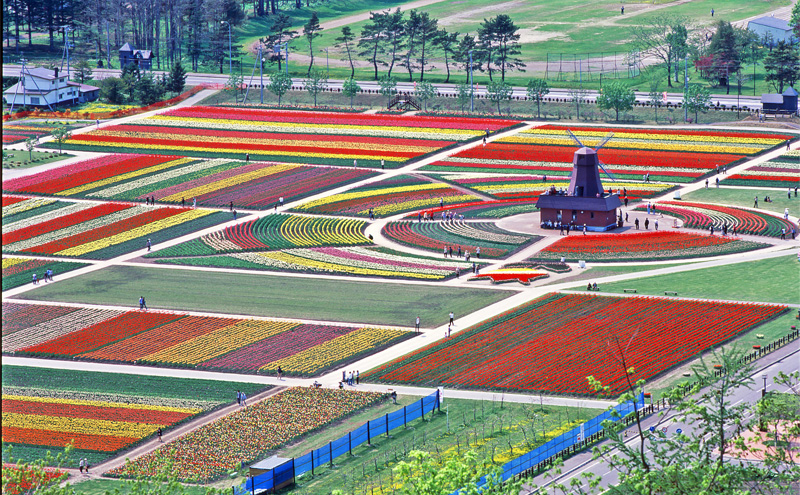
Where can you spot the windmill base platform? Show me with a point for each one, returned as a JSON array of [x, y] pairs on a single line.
[[598, 214]]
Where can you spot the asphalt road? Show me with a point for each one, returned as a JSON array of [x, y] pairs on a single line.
[[194, 79], [786, 360]]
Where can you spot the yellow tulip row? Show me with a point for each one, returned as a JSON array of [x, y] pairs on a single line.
[[371, 192], [660, 137], [142, 231], [323, 266], [621, 144], [416, 204], [230, 181], [313, 231], [100, 403], [9, 262], [79, 425], [123, 177], [339, 349]]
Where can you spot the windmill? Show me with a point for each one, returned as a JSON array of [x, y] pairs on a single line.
[[586, 166]]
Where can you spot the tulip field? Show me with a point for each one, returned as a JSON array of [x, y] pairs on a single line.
[[522, 275], [30, 477], [493, 241], [320, 138], [274, 232], [174, 339], [667, 155], [19, 271], [552, 344], [783, 172], [207, 453], [704, 215], [389, 197], [654, 245], [358, 261], [101, 414]]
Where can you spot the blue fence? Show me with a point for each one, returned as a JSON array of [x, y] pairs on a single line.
[[339, 447]]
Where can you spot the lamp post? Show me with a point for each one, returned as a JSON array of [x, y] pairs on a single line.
[[471, 86], [327, 65], [277, 50], [261, 61], [230, 50]]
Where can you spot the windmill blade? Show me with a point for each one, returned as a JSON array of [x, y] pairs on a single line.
[[574, 138], [609, 174], [604, 141]]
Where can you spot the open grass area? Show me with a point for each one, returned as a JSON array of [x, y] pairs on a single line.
[[770, 280], [22, 158], [501, 433], [600, 271], [258, 295], [119, 487], [744, 197]]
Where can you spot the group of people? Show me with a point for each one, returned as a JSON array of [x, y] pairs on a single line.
[[447, 251], [592, 286], [447, 216], [83, 465], [150, 201], [241, 398], [47, 276], [349, 378], [183, 202]]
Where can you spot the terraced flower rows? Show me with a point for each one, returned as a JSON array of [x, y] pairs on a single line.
[[552, 344], [168, 339], [493, 241], [658, 245], [177, 180], [208, 452], [358, 261], [20, 271], [704, 215], [286, 136], [95, 231], [667, 155], [388, 197], [783, 172], [101, 414], [273, 232]]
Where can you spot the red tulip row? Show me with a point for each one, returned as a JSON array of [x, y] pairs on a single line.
[[702, 215], [63, 222], [640, 242], [107, 413], [58, 439], [675, 132], [242, 235]]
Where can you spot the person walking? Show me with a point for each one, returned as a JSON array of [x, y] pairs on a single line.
[[622, 10], [81, 465], [142, 304], [149, 244], [194, 202], [239, 397], [381, 163], [706, 183], [159, 436], [717, 182], [357, 376], [451, 317], [247, 157], [478, 252], [244, 399], [783, 234], [636, 223], [234, 214], [183, 202], [280, 373], [755, 202], [416, 325], [712, 12], [355, 163], [656, 224]]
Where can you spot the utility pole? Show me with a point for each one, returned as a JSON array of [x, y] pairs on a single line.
[[108, 46], [685, 87], [261, 72], [286, 48], [471, 86], [327, 65]]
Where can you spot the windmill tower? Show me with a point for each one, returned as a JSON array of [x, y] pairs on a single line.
[[585, 202]]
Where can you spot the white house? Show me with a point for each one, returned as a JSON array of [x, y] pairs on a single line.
[[41, 87], [771, 30]]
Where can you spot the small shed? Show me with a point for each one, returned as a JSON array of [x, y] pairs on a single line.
[[272, 473], [783, 103], [772, 30]]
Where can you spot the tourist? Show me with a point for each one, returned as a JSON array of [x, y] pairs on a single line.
[[589, 286], [646, 223], [755, 202], [712, 230], [194, 202], [394, 397], [451, 317], [149, 244], [783, 234], [247, 157], [280, 373], [416, 325], [142, 304], [159, 435], [786, 213], [183, 202], [594, 286], [80, 465], [636, 223], [244, 399], [706, 183], [239, 397], [717, 182], [358, 375], [656, 224]]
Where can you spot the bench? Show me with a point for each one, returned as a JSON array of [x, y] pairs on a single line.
[[670, 293], [629, 290]]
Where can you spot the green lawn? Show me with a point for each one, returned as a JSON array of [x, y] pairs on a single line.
[[600, 271], [771, 280], [744, 197], [22, 158], [258, 295], [106, 486]]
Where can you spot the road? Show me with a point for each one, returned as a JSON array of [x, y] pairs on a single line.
[[193, 79], [784, 359]]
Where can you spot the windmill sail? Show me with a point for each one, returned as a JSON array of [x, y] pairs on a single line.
[[609, 174], [604, 141], [574, 138]]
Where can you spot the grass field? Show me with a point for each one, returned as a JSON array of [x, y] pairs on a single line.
[[118, 487], [461, 425], [744, 197], [22, 158], [256, 295], [771, 280], [600, 271]]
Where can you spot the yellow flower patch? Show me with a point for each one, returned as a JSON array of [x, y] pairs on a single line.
[[79, 425]]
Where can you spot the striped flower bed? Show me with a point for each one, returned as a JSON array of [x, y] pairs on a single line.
[[704, 215], [358, 261], [434, 236], [643, 246], [273, 232], [667, 155], [178, 340], [552, 344], [388, 197], [21, 130], [783, 171], [318, 137], [19, 271]]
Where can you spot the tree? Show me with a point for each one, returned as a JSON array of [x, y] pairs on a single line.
[[30, 144], [413, 27], [499, 91], [725, 47], [428, 35], [423, 475], [280, 34], [350, 88], [346, 39], [177, 78], [112, 89], [34, 474], [537, 89], [83, 71], [388, 86], [424, 92], [664, 37], [372, 39], [149, 90], [696, 99], [464, 94], [279, 84], [655, 97], [794, 20], [61, 135], [316, 83], [578, 96], [311, 32], [394, 29], [500, 37], [465, 46], [448, 43], [616, 95], [233, 85], [782, 66]]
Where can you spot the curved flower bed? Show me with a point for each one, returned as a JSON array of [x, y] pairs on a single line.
[[704, 215], [783, 171], [248, 434], [274, 232], [643, 246], [359, 261], [552, 344], [667, 155], [433, 236]]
